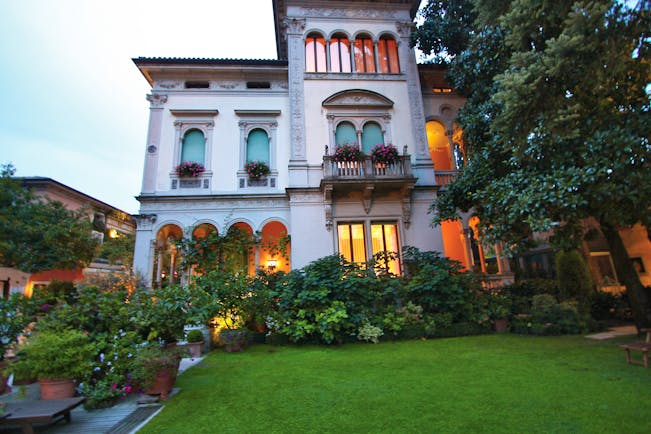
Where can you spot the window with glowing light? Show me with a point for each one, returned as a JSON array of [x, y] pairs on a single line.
[[354, 243], [387, 53], [340, 54], [364, 54]]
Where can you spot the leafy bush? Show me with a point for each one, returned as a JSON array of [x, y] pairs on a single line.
[[574, 279], [194, 335], [369, 333], [438, 284]]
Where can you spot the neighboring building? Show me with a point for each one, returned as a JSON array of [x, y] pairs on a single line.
[[345, 74], [107, 221]]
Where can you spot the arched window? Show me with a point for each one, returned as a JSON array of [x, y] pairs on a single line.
[[364, 54], [387, 53], [340, 54], [371, 136], [193, 147], [257, 146], [315, 53], [345, 134], [439, 145]]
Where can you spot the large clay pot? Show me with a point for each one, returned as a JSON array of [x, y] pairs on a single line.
[[57, 388], [194, 348], [163, 382], [501, 325]]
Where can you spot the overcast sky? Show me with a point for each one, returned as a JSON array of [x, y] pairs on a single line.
[[72, 103]]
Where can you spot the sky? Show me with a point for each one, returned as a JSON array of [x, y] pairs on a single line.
[[72, 103]]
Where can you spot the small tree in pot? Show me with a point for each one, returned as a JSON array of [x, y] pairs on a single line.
[[56, 358]]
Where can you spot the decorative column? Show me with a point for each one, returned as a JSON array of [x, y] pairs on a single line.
[[404, 29], [157, 102], [144, 249], [294, 28]]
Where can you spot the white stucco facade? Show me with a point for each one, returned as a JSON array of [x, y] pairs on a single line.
[[299, 111]]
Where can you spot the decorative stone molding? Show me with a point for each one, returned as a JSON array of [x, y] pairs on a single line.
[[404, 28], [373, 14], [294, 26], [360, 76], [145, 221], [229, 85], [169, 84], [357, 98], [157, 100]]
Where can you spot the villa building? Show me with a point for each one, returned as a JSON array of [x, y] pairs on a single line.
[[345, 75]]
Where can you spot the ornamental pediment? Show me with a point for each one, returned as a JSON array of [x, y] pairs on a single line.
[[357, 98]]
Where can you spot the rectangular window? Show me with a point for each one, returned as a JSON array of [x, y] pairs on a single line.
[[352, 241], [364, 56], [384, 238]]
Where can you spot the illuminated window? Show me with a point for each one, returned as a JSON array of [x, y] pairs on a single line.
[[439, 145], [353, 242], [364, 54], [384, 238], [340, 54], [387, 53], [315, 53], [193, 147]]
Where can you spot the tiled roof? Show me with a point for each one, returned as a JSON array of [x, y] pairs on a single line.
[[207, 61]]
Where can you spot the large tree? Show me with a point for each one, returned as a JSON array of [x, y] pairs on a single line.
[[37, 234], [556, 121]]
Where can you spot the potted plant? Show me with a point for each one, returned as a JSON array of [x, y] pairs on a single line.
[[233, 339], [155, 368], [499, 307], [384, 154], [189, 169], [257, 169], [56, 359], [194, 342], [347, 153]]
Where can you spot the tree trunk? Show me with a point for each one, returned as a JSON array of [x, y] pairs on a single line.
[[638, 296]]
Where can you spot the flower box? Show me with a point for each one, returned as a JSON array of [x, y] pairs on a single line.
[[189, 169]]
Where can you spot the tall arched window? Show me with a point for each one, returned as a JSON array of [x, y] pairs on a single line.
[[315, 53], [345, 134], [340, 54], [364, 54], [439, 145], [387, 53], [193, 147], [257, 146], [371, 136]]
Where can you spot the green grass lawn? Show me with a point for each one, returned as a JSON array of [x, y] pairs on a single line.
[[494, 383]]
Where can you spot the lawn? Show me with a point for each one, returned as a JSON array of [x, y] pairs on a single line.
[[493, 383]]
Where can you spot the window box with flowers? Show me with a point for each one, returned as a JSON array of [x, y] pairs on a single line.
[[384, 154], [189, 169], [257, 169], [347, 153]]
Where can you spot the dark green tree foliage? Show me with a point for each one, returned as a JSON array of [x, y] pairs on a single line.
[[226, 253], [38, 234], [556, 123], [574, 280]]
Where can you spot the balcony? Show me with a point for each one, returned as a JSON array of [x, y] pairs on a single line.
[[368, 178]]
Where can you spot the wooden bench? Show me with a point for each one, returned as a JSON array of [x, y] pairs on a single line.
[[26, 413], [643, 347]]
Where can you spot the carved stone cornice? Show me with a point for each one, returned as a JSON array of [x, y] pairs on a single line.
[[157, 100], [294, 26], [349, 13]]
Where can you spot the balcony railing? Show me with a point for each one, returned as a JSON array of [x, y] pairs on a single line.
[[366, 169], [443, 177]]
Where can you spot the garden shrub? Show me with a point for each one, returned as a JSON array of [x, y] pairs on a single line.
[[574, 280], [369, 333], [438, 284]]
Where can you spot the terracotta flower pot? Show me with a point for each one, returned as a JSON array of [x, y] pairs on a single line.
[[501, 325], [194, 348], [163, 382], [57, 388]]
